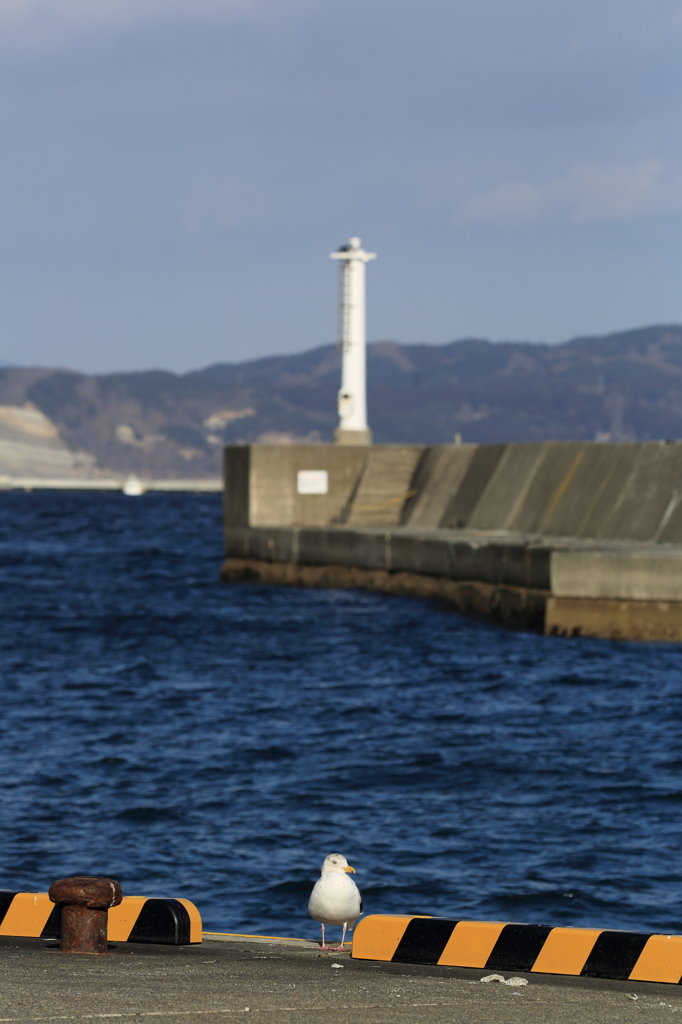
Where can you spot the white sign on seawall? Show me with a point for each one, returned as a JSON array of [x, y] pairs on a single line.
[[312, 481]]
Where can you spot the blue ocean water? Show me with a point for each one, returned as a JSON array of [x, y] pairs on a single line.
[[216, 742]]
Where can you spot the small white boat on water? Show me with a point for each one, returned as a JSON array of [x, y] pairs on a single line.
[[133, 486]]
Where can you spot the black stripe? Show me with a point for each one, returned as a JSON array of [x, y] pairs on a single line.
[[614, 954], [162, 921], [53, 925], [424, 940], [517, 947], [6, 897]]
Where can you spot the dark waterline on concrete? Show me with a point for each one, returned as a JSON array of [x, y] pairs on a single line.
[[215, 742]]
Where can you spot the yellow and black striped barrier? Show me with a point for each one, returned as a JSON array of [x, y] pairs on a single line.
[[168, 922], [534, 948]]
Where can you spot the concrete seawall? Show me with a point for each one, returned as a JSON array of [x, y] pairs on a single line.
[[566, 538]]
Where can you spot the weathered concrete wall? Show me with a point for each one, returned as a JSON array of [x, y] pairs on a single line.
[[599, 491], [632, 575], [437, 477], [507, 489], [515, 607], [658, 621], [619, 592], [628, 492], [593, 533], [260, 483], [443, 553], [384, 486]]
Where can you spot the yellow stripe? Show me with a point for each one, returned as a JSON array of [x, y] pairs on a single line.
[[194, 920], [27, 914], [660, 960], [376, 937], [123, 917], [471, 943], [566, 950]]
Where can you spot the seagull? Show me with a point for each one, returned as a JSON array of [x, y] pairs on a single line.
[[336, 898]]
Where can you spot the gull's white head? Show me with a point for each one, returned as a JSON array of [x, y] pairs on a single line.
[[336, 862]]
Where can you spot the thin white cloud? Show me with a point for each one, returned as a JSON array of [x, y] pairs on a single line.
[[586, 194], [49, 22]]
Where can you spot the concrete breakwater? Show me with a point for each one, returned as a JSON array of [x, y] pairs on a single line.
[[561, 537]]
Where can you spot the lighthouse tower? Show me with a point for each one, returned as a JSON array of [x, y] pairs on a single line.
[[352, 427]]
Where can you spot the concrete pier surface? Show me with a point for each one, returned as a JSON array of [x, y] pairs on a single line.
[[571, 539], [293, 982]]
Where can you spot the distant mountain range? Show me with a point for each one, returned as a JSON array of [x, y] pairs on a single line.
[[625, 386]]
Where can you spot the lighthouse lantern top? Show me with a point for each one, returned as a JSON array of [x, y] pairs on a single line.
[[352, 251]]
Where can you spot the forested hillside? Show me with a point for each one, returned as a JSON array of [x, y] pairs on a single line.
[[621, 386]]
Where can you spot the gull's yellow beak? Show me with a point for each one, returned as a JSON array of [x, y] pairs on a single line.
[[349, 869]]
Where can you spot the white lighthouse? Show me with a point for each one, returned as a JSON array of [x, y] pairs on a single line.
[[353, 427]]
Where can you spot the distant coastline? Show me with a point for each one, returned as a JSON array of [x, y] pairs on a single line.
[[158, 425]]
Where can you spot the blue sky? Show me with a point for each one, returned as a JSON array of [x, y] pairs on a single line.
[[175, 173]]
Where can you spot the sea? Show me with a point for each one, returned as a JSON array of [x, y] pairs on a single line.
[[214, 742]]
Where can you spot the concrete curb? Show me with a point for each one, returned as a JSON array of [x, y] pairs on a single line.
[[583, 952], [168, 922]]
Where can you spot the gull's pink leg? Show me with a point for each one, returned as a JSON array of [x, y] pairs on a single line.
[[341, 948], [323, 945]]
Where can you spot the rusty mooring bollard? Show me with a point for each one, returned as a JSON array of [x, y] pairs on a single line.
[[85, 903]]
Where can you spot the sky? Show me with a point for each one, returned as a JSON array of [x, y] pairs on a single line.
[[175, 173]]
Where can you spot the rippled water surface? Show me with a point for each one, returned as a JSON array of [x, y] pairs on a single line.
[[215, 742]]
